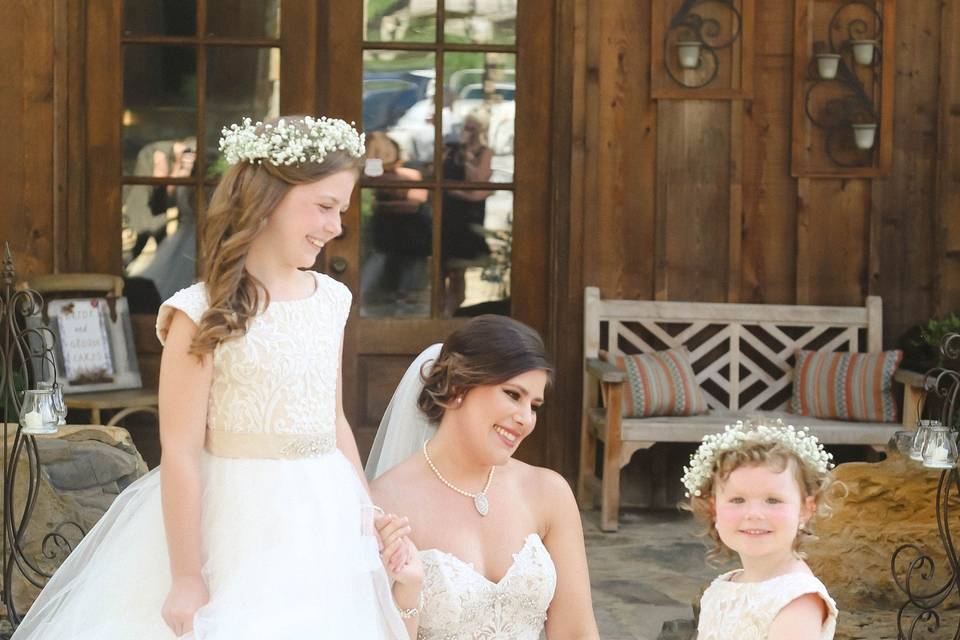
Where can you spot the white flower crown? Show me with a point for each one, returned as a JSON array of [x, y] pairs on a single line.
[[289, 142], [803, 443]]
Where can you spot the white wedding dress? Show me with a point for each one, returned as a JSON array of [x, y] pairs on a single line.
[[461, 604], [284, 553]]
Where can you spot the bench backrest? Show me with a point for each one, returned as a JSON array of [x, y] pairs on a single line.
[[742, 354]]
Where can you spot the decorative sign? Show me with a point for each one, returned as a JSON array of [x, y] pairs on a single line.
[[83, 341], [93, 343]]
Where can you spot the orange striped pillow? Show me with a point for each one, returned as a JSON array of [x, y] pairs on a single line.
[[845, 386], [660, 383]]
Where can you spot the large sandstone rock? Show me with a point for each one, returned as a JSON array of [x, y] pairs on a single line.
[[82, 469], [887, 504]]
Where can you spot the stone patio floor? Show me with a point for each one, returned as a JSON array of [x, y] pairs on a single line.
[[648, 572]]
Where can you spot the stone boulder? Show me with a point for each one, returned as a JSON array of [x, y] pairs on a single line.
[[885, 504], [82, 470]]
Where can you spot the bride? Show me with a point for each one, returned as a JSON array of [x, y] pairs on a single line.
[[501, 552]]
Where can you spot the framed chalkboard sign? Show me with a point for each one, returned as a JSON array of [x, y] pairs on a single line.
[[94, 348]]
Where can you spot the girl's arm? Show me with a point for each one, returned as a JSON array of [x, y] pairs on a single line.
[[802, 619], [184, 390], [345, 440], [570, 615]]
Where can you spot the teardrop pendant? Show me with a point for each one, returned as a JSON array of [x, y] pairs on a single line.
[[481, 503]]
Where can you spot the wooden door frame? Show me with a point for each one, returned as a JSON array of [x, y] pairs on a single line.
[[342, 38]]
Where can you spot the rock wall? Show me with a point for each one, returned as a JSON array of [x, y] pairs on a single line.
[[82, 469]]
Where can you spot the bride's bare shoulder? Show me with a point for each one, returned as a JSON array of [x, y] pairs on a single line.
[[393, 487]]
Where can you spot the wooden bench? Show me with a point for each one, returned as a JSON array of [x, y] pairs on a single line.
[[742, 357]]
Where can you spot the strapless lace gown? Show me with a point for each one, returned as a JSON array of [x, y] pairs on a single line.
[[745, 610], [462, 604], [283, 549]]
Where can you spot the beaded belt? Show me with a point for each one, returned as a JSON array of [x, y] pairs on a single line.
[[288, 446]]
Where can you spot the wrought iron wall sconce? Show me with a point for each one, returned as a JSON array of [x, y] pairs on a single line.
[[697, 39], [846, 90], [700, 49], [851, 118], [32, 405], [913, 569]]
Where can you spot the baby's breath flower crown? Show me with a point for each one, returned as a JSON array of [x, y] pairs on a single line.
[[735, 436], [289, 142]]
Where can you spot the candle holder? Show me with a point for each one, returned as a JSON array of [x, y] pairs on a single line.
[[914, 570], [837, 99], [26, 362], [697, 36]]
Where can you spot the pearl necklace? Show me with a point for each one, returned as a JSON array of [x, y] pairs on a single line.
[[479, 499]]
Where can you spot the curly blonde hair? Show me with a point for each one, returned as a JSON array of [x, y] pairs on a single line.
[[777, 457], [246, 196]]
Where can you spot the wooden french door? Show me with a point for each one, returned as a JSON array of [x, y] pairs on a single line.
[[455, 98], [435, 239]]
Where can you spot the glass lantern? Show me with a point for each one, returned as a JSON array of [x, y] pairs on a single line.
[[916, 451], [59, 406], [38, 415], [940, 448]]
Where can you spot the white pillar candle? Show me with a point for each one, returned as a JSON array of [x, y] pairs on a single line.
[[32, 420]]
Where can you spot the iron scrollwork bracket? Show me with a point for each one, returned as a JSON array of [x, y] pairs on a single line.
[[913, 568], [26, 357], [836, 115], [689, 26]]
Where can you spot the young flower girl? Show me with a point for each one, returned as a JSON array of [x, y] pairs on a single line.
[[757, 486], [252, 525]]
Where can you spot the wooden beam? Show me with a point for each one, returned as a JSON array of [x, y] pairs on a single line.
[[947, 278]]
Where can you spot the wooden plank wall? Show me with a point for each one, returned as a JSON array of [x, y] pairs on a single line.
[[652, 199], [693, 200], [27, 108]]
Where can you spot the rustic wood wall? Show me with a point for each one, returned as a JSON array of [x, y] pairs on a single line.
[[694, 200], [654, 199]]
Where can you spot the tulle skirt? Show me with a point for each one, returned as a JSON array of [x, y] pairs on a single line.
[[284, 557]]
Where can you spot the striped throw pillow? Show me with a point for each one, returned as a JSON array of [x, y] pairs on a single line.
[[660, 383], [846, 386]]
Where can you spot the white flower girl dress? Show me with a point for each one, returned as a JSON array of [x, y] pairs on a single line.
[[284, 554]]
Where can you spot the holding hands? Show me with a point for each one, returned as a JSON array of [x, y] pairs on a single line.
[[401, 559]]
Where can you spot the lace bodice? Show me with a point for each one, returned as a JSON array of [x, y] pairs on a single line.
[[461, 604], [281, 377], [745, 610]]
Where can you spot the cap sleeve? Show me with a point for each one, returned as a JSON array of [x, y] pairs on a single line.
[[800, 584], [192, 301], [338, 292]]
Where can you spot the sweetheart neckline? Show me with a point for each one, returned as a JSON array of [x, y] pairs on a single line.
[[506, 574]]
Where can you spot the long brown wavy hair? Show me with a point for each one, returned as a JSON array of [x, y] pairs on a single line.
[[246, 196]]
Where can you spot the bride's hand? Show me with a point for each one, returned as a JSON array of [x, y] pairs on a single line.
[[186, 596], [392, 530], [411, 572]]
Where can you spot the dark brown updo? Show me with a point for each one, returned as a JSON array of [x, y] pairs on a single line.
[[489, 349]]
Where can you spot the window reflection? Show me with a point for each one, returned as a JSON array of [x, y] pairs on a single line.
[[477, 233], [243, 18], [167, 255], [483, 83], [400, 20], [480, 21], [160, 17], [396, 238], [398, 99], [159, 99]]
